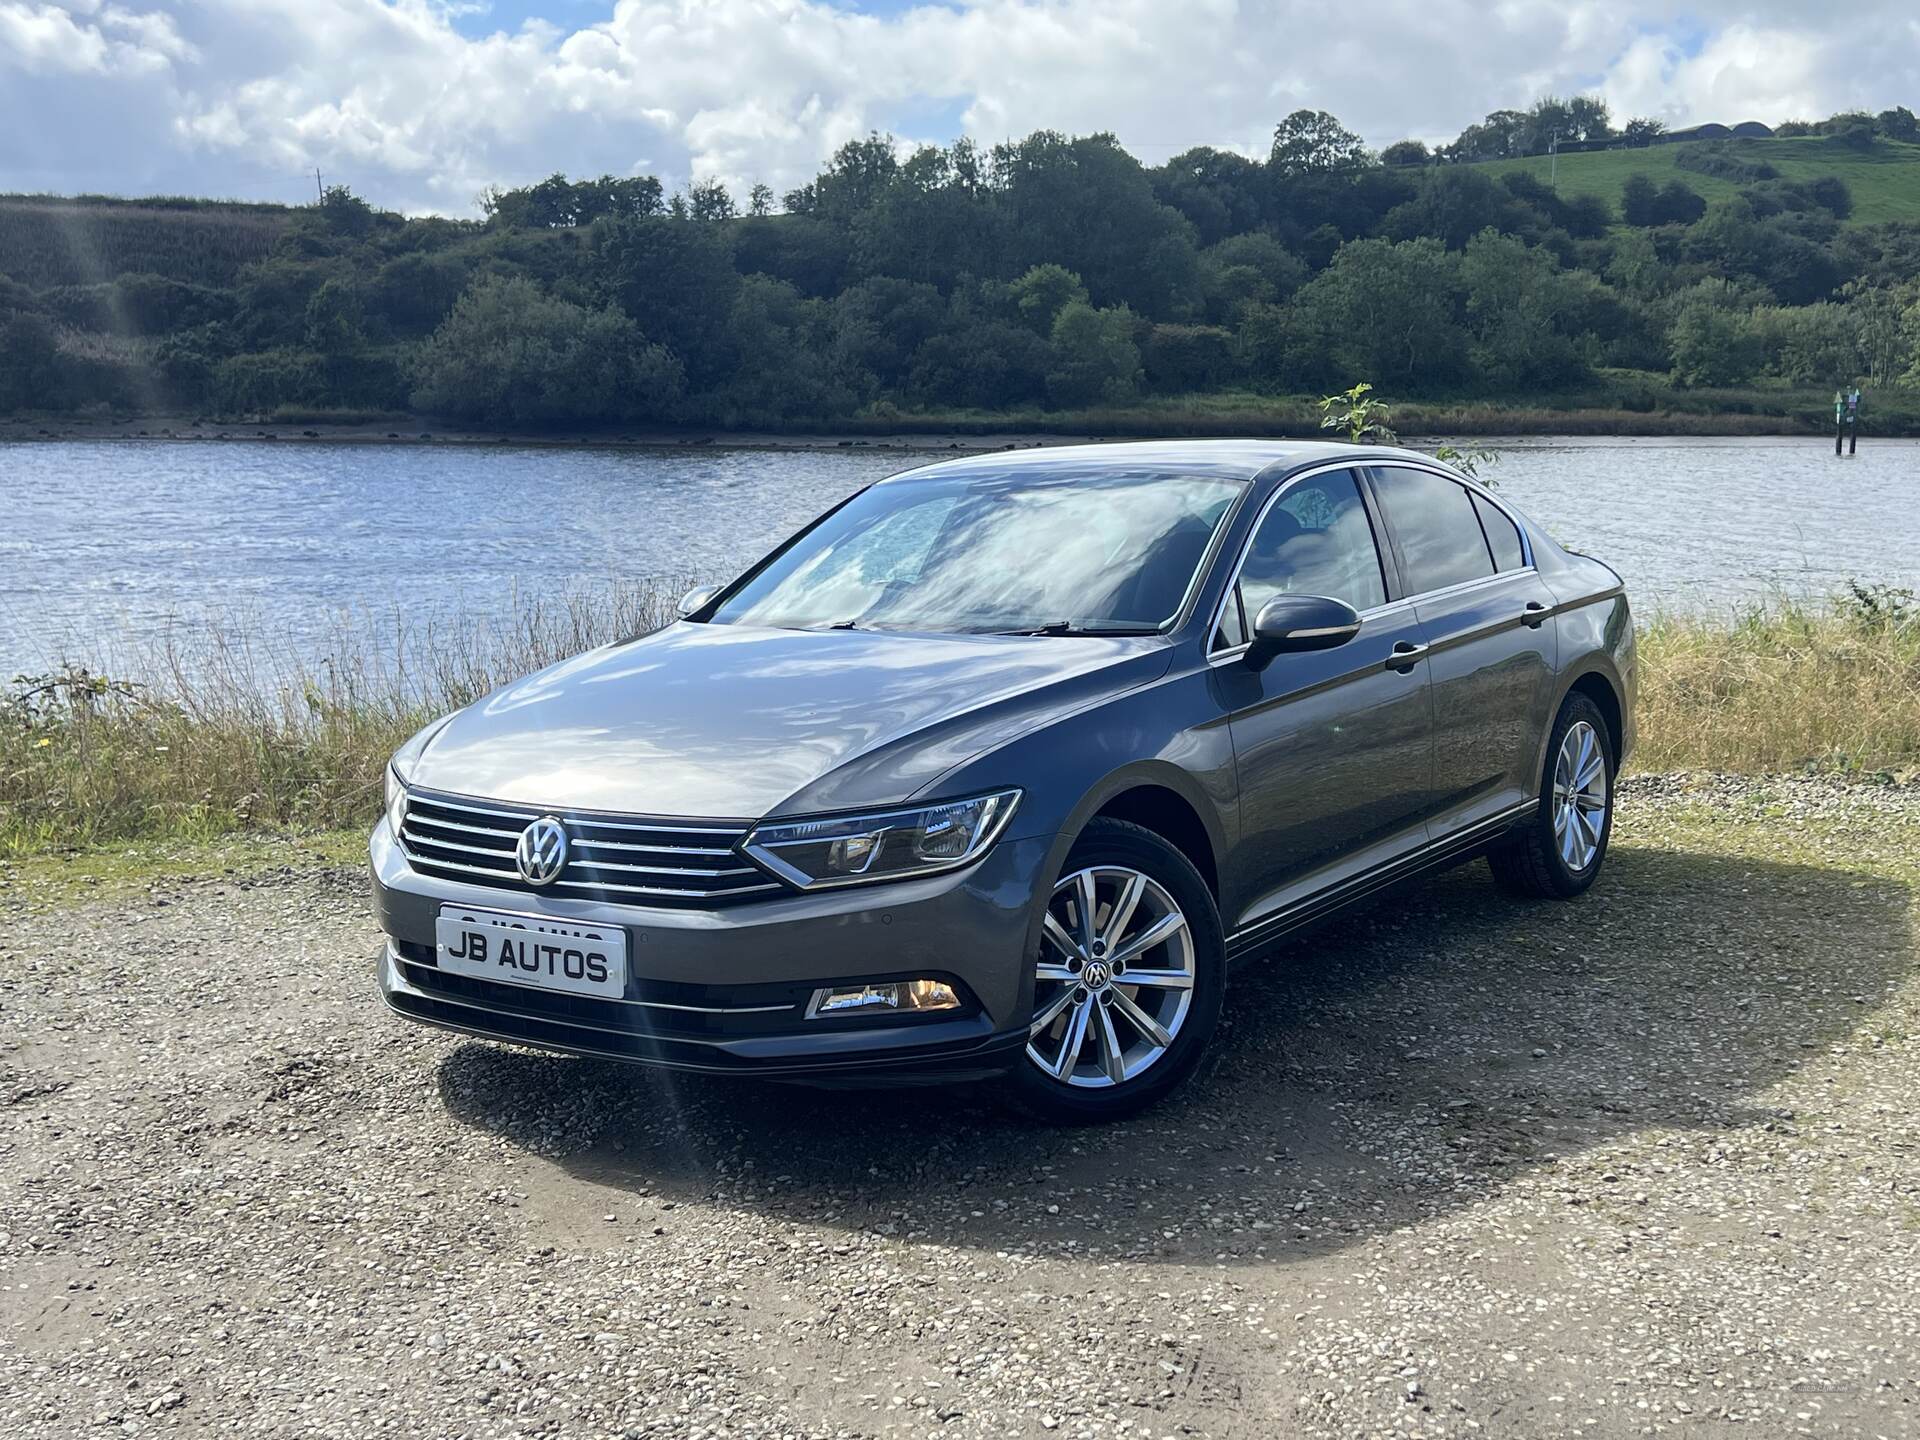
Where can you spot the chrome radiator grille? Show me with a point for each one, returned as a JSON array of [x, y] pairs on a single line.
[[632, 861]]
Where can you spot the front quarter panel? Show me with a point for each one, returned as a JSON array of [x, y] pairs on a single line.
[[1171, 735]]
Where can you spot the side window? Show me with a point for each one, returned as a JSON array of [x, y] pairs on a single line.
[[1441, 542], [1316, 541], [1502, 535]]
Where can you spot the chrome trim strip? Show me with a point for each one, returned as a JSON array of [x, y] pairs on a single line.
[[407, 837], [510, 836], [659, 870], [718, 893], [648, 849], [662, 824], [688, 871], [726, 893]]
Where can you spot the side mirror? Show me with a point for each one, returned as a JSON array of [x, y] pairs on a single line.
[[698, 598], [1288, 624]]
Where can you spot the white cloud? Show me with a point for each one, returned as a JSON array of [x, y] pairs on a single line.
[[246, 96]]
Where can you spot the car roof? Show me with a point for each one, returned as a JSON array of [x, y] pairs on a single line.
[[1218, 459]]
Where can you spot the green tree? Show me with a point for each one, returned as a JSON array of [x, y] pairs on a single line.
[[29, 362], [1311, 142], [1639, 200], [710, 200], [1515, 300], [1713, 345], [674, 280], [1087, 205], [880, 323], [1405, 152], [1282, 348], [1043, 292], [780, 359], [509, 355], [979, 361], [345, 213], [1391, 311], [1095, 357], [1218, 191], [336, 320]]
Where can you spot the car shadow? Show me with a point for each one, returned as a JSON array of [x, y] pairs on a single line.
[[1388, 1067]]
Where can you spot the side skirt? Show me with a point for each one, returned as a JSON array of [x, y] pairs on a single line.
[[1437, 856]]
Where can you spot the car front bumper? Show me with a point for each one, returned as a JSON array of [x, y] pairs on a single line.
[[726, 989]]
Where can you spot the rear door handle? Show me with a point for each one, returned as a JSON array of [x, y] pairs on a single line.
[[1405, 654], [1534, 615]]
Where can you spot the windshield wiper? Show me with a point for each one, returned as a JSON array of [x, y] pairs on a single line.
[[1073, 627]]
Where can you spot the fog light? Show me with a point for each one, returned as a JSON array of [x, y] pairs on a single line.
[[893, 995]]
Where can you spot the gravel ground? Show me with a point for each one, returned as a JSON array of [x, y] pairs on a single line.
[[1644, 1162]]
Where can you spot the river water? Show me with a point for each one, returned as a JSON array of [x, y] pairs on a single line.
[[106, 545]]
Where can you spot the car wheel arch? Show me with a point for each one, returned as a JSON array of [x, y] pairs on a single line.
[[1596, 679], [1161, 798]]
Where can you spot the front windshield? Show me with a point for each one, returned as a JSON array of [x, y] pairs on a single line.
[[995, 550]]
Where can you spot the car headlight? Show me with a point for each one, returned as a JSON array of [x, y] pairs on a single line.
[[401, 767], [396, 802], [886, 845]]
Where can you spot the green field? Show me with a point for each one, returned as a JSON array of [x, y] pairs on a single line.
[[1885, 181]]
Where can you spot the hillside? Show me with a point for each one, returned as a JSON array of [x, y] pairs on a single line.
[[1885, 181], [48, 240], [1062, 279]]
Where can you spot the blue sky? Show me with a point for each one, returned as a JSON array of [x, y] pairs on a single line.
[[418, 104]]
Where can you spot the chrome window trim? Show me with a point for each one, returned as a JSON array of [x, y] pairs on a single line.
[[1222, 656]]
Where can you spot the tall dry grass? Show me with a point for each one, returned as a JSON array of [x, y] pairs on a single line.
[[1784, 686], [232, 729], [233, 733]]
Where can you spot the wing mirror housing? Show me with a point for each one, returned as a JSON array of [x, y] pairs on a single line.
[[698, 598], [1289, 624]]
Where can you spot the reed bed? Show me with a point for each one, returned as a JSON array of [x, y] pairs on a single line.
[[228, 727], [228, 730], [1783, 685]]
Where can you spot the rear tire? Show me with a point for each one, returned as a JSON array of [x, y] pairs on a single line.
[[1557, 853], [1101, 1047]]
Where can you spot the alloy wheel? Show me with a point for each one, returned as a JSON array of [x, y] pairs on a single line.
[[1114, 980], [1579, 796]]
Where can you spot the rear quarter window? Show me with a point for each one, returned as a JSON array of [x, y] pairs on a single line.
[[1503, 536], [1434, 524]]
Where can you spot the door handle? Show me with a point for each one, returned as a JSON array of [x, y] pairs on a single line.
[[1405, 655], [1534, 615]]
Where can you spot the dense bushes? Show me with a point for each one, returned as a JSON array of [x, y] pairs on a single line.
[[509, 355]]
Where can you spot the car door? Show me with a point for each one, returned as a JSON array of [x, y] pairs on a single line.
[[1331, 747], [1487, 618]]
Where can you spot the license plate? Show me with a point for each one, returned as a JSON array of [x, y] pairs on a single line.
[[530, 950]]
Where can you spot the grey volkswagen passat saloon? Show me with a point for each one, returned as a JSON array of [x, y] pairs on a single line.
[[991, 770]]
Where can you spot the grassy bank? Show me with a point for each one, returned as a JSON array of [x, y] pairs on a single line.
[[1884, 180], [233, 737], [1617, 403]]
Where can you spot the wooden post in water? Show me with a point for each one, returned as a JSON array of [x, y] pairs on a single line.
[[1853, 420], [1839, 418]]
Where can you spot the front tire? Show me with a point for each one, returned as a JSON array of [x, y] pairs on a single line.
[[1558, 853], [1128, 982]]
